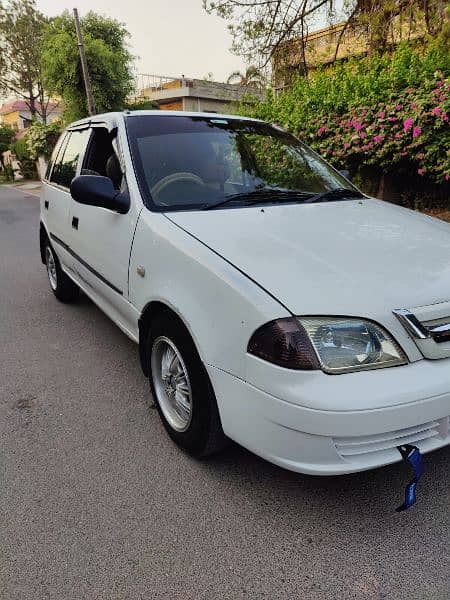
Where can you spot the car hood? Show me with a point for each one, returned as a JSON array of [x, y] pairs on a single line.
[[357, 257]]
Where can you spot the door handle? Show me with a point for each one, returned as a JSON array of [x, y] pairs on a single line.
[[46, 204], [75, 223]]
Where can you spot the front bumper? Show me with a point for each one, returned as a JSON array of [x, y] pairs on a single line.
[[315, 426]]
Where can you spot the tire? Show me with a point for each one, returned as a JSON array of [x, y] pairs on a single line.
[[200, 432], [61, 284]]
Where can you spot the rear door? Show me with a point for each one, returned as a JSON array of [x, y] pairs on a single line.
[[56, 199]]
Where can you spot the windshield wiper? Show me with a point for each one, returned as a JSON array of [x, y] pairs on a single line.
[[276, 195], [334, 195], [261, 194]]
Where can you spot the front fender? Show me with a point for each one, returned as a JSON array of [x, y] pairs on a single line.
[[218, 304]]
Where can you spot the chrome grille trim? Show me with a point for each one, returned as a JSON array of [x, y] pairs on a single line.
[[439, 333]]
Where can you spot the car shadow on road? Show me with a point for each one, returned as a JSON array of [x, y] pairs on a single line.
[[378, 491]]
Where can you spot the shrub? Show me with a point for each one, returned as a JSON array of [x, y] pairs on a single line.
[[41, 139], [409, 134], [27, 163], [386, 114]]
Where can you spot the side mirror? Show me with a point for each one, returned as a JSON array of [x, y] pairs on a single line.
[[95, 190], [345, 173]]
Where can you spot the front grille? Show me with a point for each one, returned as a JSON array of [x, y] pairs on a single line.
[[351, 448], [429, 326]]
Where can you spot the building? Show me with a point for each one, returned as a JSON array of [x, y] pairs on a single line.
[[17, 114], [198, 95], [320, 48]]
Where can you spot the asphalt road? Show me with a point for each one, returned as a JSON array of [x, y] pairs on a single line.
[[97, 503]]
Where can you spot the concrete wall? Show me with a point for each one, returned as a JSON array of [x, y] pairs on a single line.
[[206, 105]]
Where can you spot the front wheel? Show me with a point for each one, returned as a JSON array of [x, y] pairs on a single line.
[[181, 388], [62, 286]]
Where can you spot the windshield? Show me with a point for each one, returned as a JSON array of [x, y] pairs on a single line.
[[189, 162]]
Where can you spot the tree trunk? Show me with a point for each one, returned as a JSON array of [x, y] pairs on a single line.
[[32, 102]]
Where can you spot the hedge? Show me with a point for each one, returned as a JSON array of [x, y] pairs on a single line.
[[384, 115]]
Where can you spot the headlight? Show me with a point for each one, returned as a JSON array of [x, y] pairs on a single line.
[[344, 344], [335, 345]]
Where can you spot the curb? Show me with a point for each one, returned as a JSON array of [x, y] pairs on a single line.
[[18, 188]]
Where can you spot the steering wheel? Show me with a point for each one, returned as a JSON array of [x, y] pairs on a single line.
[[169, 179]]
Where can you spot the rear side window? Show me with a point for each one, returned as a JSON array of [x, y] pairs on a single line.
[[66, 162]]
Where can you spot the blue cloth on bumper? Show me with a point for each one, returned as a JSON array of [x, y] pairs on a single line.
[[412, 456]]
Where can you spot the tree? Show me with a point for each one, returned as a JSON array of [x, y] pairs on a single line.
[[251, 78], [108, 59], [377, 19], [261, 29], [21, 33], [7, 135]]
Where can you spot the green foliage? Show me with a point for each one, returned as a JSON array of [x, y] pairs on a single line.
[[141, 104], [7, 135], [21, 33], [388, 112], [261, 28], [41, 139], [7, 175], [252, 77], [27, 163], [108, 59]]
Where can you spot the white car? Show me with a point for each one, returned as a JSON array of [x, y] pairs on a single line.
[[273, 303]]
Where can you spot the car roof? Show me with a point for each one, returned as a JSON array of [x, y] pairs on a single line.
[[183, 113], [114, 117]]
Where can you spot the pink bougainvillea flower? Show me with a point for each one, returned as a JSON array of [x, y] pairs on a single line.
[[357, 125], [407, 123], [447, 177], [377, 138], [445, 117], [413, 105], [398, 106], [437, 110], [346, 145], [392, 119], [420, 171], [362, 134], [398, 135], [417, 131], [381, 114]]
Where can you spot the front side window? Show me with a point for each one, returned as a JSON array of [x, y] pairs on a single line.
[[100, 157], [195, 162], [66, 163]]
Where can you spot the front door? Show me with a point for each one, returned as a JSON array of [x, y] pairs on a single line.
[[101, 239]]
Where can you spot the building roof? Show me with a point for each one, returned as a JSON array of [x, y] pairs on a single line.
[[21, 105], [162, 89]]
